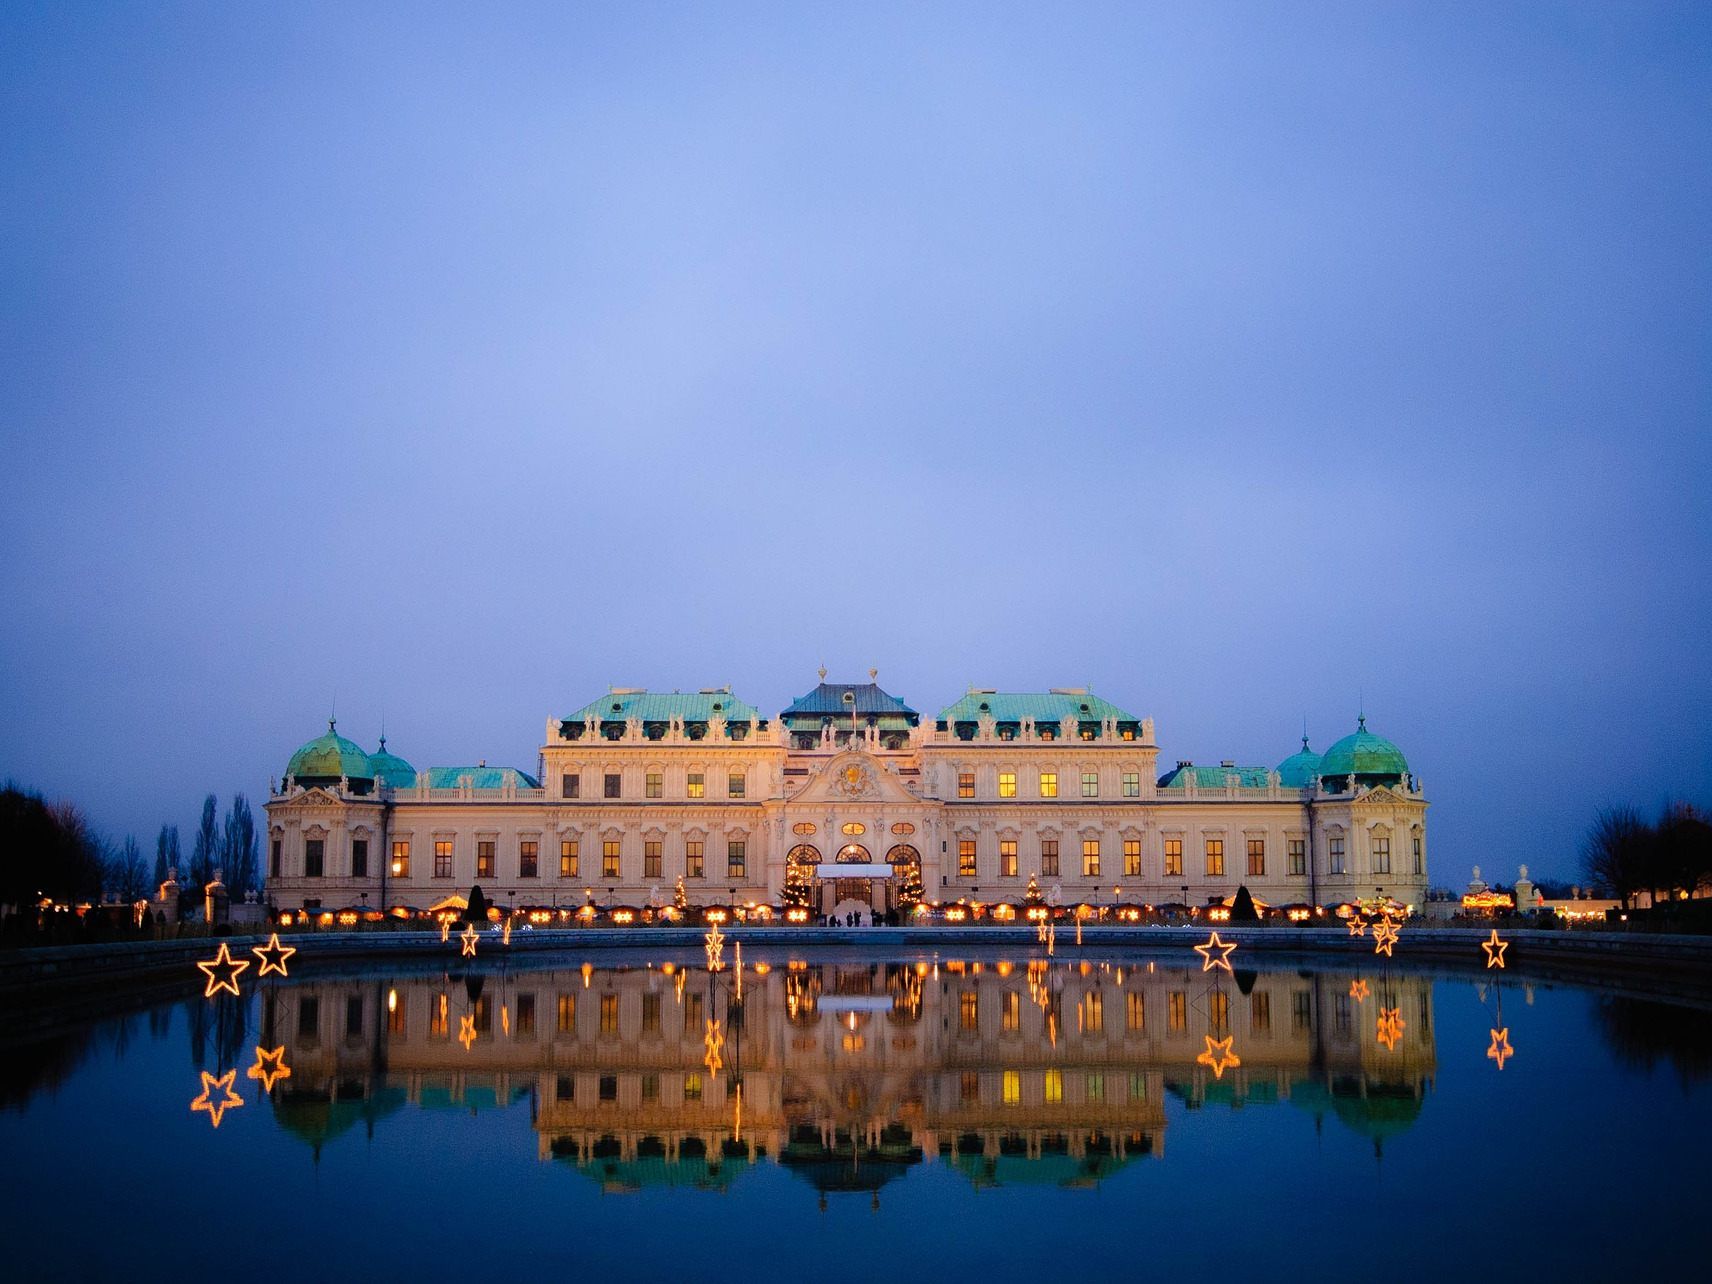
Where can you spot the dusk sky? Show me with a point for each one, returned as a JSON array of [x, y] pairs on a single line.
[[1251, 363]]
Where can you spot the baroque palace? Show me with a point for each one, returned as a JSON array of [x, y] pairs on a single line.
[[854, 796]]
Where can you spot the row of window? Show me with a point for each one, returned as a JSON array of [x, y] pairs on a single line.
[[1047, 784], [654, 785], [570, 859], [1213, 857], [1091, 1011]]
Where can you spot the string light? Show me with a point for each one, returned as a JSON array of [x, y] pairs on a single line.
[[714, 1041], [505, 933], [1500, 1051], [738, 963], [467, 938], [224, 1082], [1357, 925], [273, 955], [467, 1031], [1384, 937], [1218, 1057], [445, 930], [270, 1067], [715, 946], [1494, 950], [223, 971], [1391, 1026], [1358, 990], [1215, 946]]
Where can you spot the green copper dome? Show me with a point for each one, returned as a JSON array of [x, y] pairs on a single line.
[[1364, 754], [328, 758], [392, 769], [1300, 769]]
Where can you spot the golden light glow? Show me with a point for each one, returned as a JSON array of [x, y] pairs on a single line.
[[714, 1042], [273, 955], [1384, 937], [1358, 990], [1218, 1057], [229, 1101], [1494, 950], [1390, 1027], [467, 939], [1357, 925], [505, 933], [1215, 946], [392, 1000], [1488, 901], [270, 1068], [467, 1031], [714, 944], [445, 930], [222, 971], [737, 963], [1500, 1051]]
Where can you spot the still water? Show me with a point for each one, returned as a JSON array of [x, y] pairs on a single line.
[[979, 1118]]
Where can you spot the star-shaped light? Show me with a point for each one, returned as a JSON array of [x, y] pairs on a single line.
[[468, 938], [1215, 946], [715, 1043], [1391, 1026], [1358, 990], [505, 933], [1384, 937], [1357, 925], [467, 1031], [1494, 950], [445, 930], [715, 946], [1500, 1049], [273, 955], [222, 1083], [223, 971], [1218, 1057], [270, 1067]]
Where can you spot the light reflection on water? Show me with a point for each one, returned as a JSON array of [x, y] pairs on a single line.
[[999, 1117]]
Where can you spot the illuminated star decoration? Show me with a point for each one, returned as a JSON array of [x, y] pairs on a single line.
[[1494, 950], [445, 930], [715, 1042], [1357, 925], [1384, 937], [466, 1031], [223, 971], [1500, 1049], [715, 946], [468, 938], [270, 1067], [1218, 1057], [1391, 1025], [1215, 946], [273, 955], [505, 934], [223, 1083], [1358, 990]]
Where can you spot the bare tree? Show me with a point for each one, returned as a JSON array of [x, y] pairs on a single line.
[[126, 870], [207, 849], [1683, 849], [1617, 852], [166, 853]]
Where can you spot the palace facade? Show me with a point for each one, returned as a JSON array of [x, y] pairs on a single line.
[[853, 793]]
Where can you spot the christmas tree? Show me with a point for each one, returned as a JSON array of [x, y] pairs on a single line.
[[797, 890], [680, 898], [909, 889]]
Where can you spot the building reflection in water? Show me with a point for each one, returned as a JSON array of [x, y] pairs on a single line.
[[848, 1074]]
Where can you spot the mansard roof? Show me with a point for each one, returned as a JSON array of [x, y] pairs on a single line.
[[1042, 706], [623, 703], [1214, 777], [480, 777], [828, 699]]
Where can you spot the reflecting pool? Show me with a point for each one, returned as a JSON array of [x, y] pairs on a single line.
[[831, 1117]]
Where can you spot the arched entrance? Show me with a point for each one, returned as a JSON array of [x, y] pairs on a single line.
[[906, 889], [853, 889], [800, 864]]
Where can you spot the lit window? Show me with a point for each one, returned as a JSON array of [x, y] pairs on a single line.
[[853, 828], [965, 784], [1177, 1012], [567, 1013], [654, 785], [736, 858], [692, 1086], [567, 858], [1132, 784], [969, 1086], [1049, 784], [484, 858], [1090, 784], [694, 859], [1011, 1087], [1336, 854], [442, 858], [1218, 1009], [803, 827], [1007, 858], [965, 858], [609, 1014], [609, 859], [1132, 857], [968, 1010], [438, 1016], [1381, 855], [401, 858], [1215, 857], [571, 785], [1174, 857], [1007, 784], [1093, 1012], [528, 859], [1298, 856], [1256, 857], [651, 859], [1090, 858], [735, 784], [1010, 1010], [1054, 1086], [697, 785], [1135, 1011], [903, 827], [613, 779], [1049, 857], [314, 857]]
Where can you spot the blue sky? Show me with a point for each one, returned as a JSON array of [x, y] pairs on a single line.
[[1249, 362]]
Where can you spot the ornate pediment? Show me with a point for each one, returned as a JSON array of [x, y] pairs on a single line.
[[1381, 796], [317, 797], [853, 778]]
